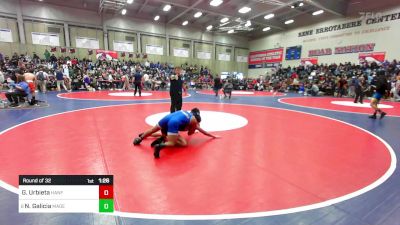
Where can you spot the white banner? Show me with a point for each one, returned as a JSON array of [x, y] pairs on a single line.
[[154, 50], [6, 35], [204, 55], [45, 39], [85, 42], [241, 58], [224, 57], [181, 52], [123, 46]]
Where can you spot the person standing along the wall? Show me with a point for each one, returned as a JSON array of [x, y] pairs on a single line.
[[380, 91], [137, 81], [125, 81], [175, 91], [60, 80], [360, 86], [227, 89], [397, 88], [46, 55], [2, 79], [342, 84], [217, 85]]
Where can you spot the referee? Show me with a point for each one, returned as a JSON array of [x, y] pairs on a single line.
[[175, 91], [137, 81]]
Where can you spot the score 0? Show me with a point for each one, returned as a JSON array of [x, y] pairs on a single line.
[[106, 201]]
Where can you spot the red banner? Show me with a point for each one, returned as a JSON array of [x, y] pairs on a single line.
[[266, 56], [378, 57], [309, 61], [106, 55]]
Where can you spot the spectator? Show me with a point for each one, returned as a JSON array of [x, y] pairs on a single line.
[[60, 80], [2, 79], [360, 87], [42, 78], [21, 90], [342, 86], [53, 59], [46, 55], [227, 88], [217, 85], [396, 93]]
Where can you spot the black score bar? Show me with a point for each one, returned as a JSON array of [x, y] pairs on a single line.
[[66, 179]]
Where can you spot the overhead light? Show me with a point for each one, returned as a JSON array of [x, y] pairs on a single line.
[[231, 31], [267, 29], [318, 12], [224, 20], [156, 17], [123, 12], [209, 27], [248, 23], [216, 2], [269, 16], [129, 1], [167, 8], [185, 23], [245, 9], [198, 14], [40, 0], [289, 21], [301, 4]]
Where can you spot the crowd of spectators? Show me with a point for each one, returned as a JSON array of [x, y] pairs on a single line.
[[72, 74], [337, 80], [54, 73]]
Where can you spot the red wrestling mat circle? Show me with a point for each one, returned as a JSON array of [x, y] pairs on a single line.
[[280, 160], [117, 95], [244, 93], [342, 105]]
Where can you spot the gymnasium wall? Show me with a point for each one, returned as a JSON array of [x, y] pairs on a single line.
[[384, 34], [39, 17]]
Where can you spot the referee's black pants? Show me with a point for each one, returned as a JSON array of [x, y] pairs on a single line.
[[176, 101], [138, 86]]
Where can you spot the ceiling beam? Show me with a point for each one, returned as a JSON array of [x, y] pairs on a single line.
[[283, 5], [268, 25], [191, 7], [218, 14], [143, 5], [330, 6], [271, 2]]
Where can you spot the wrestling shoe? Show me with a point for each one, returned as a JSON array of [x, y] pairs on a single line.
[[157, 141], [137, 140], [383, 114], [157, 149], [372, 116]]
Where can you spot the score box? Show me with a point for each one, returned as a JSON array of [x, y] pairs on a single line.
[[66, 194], [106, 201]]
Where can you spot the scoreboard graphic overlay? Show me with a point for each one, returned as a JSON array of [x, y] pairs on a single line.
[[66, 194]]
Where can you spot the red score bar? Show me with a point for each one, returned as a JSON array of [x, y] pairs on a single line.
[[106, 191]]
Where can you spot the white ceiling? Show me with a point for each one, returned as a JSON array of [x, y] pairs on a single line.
[[185, 9]]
